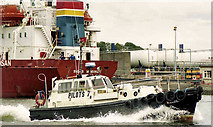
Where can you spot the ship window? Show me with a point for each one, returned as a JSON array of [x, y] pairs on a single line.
[[20, 35], [25, 34], [207, 74], [69, 86], [2, 36], [108, 83], [98, 83], [75, 88], [88, 56], [8, 35]]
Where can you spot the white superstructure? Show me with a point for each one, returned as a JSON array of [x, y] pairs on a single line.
[[36, 37], [90, 90]]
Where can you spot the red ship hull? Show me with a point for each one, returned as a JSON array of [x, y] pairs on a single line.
[[21, 78]]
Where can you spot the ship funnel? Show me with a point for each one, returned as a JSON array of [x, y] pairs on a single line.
[[70, 22]]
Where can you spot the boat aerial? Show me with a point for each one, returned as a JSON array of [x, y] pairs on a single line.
[[89, 96]]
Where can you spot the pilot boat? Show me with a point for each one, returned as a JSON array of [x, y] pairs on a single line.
[[86, 96]]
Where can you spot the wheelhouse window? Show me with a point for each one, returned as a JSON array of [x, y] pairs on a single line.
[[75, 87], [20, 35], [60, 88], [64, 87], [87, 85], [69, 86], [81, 85], [108, 83], [2, 36], [9, 35], [98, 83]]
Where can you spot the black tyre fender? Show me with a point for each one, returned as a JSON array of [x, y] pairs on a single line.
[[136, 102], [191, 91], [170, 96], [180, 95], [130, 104], [200, 89], [150, 97], [160, 98], [143, 100], [199, 96]]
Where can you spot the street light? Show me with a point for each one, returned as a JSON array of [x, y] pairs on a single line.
[[149, 54], [175, 28]]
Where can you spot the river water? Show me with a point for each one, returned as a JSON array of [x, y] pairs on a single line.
[[16, 112]]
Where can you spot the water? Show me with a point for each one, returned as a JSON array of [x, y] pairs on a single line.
[[16, 112]]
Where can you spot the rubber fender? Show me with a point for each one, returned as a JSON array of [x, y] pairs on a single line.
[[199, 96], [129, 104], [160, 98], [143, 99], [136, 102], [150, 97], [200, 89], [191, 90], [180, 95], [170, 96]]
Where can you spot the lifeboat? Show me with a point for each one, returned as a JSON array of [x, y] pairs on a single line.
[[11, 15]]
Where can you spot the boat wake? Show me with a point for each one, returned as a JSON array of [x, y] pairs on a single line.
[[162, 114], [10, 113]]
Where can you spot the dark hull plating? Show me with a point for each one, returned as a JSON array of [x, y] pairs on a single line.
[[188, 104]]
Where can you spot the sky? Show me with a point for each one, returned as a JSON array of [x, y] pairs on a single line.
[[145, 22]]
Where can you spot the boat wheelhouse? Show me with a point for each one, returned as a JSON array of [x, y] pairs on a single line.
[[89, 96]]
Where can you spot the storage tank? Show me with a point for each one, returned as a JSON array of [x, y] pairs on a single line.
[[149, 58]]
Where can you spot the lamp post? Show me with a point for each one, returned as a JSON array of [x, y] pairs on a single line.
[[175, 28], [149, 54]]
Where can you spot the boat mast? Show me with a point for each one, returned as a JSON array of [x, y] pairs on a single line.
[[81, 45]]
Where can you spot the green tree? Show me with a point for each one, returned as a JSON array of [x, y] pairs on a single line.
[[119, 47], [130, 46], [102, 46]]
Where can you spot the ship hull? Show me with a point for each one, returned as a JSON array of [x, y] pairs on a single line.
[[124, 107], [21, 78]]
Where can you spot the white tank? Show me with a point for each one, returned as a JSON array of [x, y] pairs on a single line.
[[149, 58]]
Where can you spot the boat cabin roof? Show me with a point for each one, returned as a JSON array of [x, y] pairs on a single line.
[[84, 83]]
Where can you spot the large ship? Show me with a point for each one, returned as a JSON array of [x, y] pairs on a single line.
[[43, 38]]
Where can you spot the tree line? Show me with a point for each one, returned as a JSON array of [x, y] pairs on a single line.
[[128, 46]]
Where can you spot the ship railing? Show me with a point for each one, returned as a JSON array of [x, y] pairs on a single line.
[[142, 82]]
